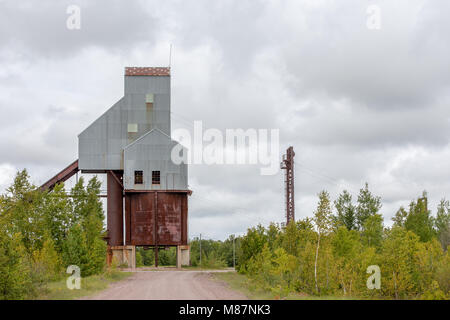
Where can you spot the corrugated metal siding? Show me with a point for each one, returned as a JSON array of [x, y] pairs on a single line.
[[101, 144], [152, 153]]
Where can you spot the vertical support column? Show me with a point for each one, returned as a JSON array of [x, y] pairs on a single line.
[[133, 257], [114, 209], [155, 233], [156, 256], [128, 205], [178, 257]]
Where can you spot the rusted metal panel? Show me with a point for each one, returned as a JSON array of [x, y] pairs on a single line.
[[62, 176], [157, 218], [184, 218], [188, 192], [114, 208], [169, 218], [142, 217]]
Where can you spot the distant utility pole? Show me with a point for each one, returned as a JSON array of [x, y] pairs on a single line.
[[200, 249], [234, 252], [288, 165]]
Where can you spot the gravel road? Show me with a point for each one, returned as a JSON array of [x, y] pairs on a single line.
[[169, 285]]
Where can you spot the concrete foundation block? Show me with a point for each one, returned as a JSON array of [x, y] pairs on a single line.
[[183, 256], [124, 255]]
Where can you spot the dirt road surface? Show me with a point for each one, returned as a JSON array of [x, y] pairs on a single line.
[[169, 285]]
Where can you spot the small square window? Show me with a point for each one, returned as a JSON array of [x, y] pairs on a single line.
[[149, 98], [156, 177], [138, 177], [132, 127]]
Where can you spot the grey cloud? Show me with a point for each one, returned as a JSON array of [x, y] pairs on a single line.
[[39, 29], [398, 66], [356, 105], [367, 128]]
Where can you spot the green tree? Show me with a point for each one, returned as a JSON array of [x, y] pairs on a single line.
[[289, 240], [57, 209], [400, 217], [346, 249], [167, 257], [22, 212], [372, 234], [442, 223], [284, 270], [260, 266], [428, 259], [148, 257], [139, 259], [398, 268], [419, 219], [46, 264], [226, 249], [75, 251], [42, 232], [273, 231], [88, 230], [15, 279], [368, 205], [322, 220], [346, 211], [251, 244]]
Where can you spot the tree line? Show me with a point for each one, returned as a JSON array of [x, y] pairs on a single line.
[[42, 233], [215, 254], [329, 253]]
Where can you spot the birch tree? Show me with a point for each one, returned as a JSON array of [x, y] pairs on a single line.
[[322, 220]]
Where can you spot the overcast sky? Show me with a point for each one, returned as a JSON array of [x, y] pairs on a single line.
[[357, 104]]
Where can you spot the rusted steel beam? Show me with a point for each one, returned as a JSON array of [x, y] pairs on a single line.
[[62, 176], [189, 192], [116, 178], [114, 210], [93, 171], [72, 196]]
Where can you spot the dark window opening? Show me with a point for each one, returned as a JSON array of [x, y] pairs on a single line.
[[138, 177], [156, 177]]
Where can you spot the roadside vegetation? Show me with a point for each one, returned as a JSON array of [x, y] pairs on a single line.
[[42, 233], [146, 257], [215, 255], [240, 282], [322, 256], [328, 254], [57, 290]]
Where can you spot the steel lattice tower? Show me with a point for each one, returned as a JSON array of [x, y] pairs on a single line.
[[288, 165]]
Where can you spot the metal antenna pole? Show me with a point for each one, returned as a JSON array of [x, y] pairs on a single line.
[[234, 252], [288, 165], [170, 56], [200, 249]]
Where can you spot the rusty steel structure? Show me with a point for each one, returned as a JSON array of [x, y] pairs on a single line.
[[288, 165], [147, 193], [114, 204], [62, 176]]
